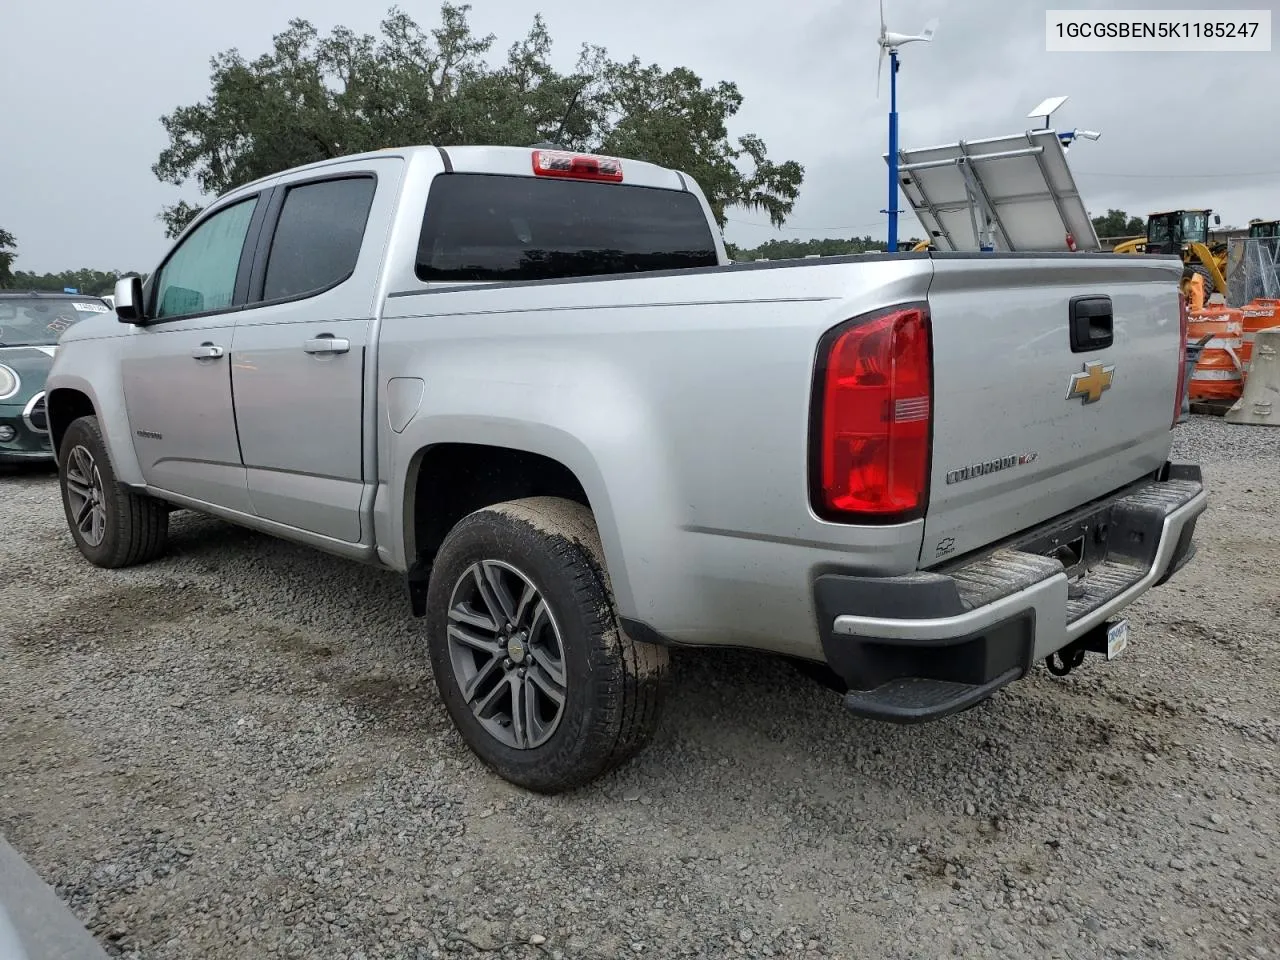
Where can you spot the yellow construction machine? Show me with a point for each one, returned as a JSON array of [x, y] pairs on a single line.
[[1185, 232], [1264, 229]]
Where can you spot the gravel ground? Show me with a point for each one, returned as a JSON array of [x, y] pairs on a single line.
[[237, 752]]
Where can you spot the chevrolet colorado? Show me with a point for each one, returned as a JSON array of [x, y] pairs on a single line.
[[531, 382]]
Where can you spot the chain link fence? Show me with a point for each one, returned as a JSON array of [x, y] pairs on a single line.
[[1253, 269]]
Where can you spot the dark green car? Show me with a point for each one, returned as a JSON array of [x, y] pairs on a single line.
[[30, 327]]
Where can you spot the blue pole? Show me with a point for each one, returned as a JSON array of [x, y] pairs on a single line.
[[893, 152]]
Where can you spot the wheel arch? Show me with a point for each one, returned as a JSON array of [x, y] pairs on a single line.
[[62, 406], [448, 479], [69, 394]]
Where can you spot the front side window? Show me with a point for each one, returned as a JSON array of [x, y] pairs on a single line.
[[1195, 226], [200, 276], [317, 240], [482, 227]]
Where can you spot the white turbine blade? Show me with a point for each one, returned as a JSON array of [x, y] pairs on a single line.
[[883, 28], [929, 28], [902, 39], [879, 71]]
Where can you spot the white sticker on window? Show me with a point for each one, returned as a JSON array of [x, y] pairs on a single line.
[[91, 307]]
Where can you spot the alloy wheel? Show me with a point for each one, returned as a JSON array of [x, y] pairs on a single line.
[[85, 493], [507, 654]]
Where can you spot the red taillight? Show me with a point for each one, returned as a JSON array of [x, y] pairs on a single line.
[[875, 420], [576, 166], [1183, 320]]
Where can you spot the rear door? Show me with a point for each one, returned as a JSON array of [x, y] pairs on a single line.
[[1030, 420], [298, 363]]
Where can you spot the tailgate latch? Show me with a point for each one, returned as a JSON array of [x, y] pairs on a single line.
[[1091, 323]]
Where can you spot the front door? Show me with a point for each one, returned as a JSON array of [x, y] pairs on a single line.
[[177, 366], [299, 355]]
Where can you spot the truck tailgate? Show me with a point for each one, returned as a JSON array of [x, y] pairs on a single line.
[[1028, 425]]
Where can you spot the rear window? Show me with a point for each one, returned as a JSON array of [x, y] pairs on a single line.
[[481, 227]]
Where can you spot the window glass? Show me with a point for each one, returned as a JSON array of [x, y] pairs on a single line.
[[201, 274], [483, 227], [317, 240], [41, 321]]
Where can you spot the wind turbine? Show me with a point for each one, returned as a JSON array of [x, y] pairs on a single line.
[[889, 43]]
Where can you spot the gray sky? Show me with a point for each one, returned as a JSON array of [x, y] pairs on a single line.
[[83, 84]]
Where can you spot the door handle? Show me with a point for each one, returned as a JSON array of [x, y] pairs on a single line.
[[1092, 323], [327, 343], [207, 351]]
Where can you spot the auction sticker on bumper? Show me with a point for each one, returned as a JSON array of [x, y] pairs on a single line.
[[1117, 638]]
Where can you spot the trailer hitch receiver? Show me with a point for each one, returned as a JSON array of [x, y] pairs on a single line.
[[1108, 639]]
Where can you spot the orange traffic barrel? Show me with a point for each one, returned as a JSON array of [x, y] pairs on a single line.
[[1218, 373], [1258, 314]]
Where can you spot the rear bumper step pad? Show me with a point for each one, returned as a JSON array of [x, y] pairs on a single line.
[[932, 643], [916, 699]]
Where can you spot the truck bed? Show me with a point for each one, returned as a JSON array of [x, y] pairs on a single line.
[[688, 394]]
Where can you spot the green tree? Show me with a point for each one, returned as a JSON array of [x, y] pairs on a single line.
[[85, 280], [314, 97], [8, 253], [794, 249], [1117, 223]]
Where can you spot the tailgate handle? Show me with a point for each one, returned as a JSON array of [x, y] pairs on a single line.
[[1091, 323]]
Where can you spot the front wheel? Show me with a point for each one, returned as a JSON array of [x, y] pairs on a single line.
[[526, 649], [111, 525]]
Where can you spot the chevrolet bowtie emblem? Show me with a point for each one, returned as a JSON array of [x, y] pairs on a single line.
[[1089, 384]]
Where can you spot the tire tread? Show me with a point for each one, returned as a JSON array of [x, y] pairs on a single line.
[[629, 676], [142, 522]]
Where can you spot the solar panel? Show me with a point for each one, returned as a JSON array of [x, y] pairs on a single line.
[[1013, 193], [1046, 107]]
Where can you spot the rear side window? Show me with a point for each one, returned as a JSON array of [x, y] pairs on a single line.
[[484, 227], [317, 240]]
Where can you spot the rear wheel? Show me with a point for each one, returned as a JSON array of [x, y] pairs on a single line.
[[111, 526], [526, 649]]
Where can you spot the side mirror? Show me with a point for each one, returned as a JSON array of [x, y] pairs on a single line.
[[1217, 218], [128, 299]]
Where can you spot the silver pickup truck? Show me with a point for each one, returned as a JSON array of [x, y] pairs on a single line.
[[532, 383]]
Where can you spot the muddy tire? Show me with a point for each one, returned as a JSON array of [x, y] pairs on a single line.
[[111, 525], [528, 656]]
